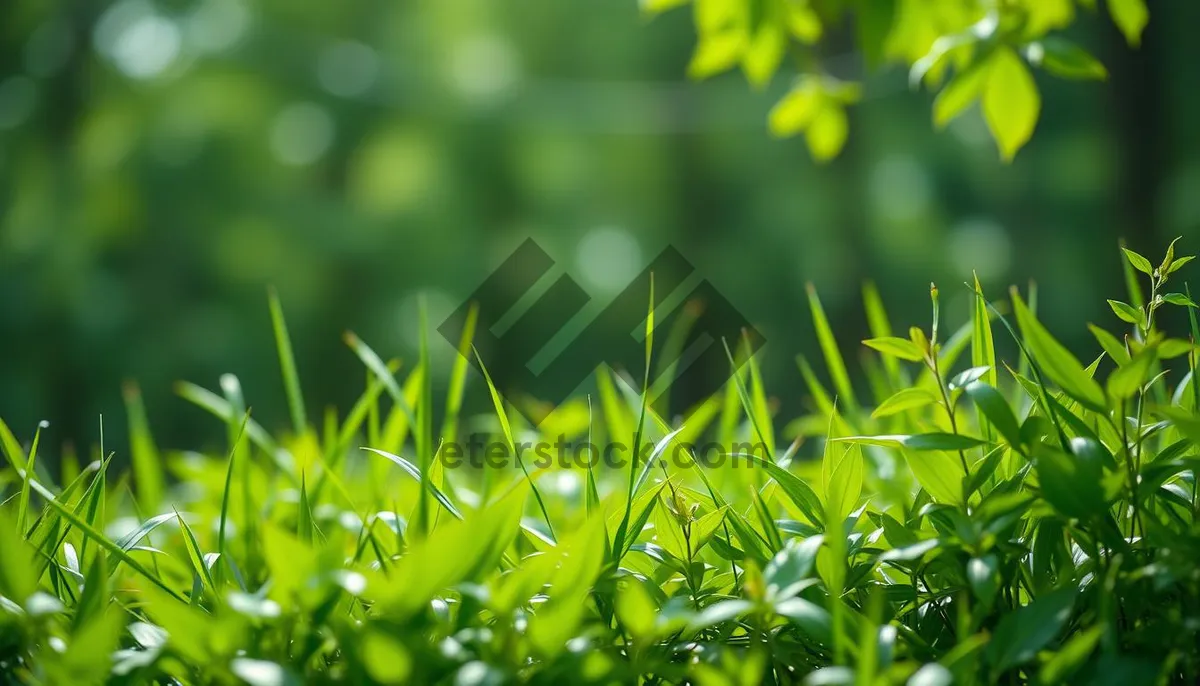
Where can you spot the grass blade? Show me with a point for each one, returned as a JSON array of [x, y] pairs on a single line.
[[833, 356], [287, 364], [147, 464]]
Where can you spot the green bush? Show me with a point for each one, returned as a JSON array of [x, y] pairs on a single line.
[[978, 522]]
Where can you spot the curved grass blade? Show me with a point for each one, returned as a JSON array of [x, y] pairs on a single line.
[[220, 408], [113, 549], [410, 469], [498, 402]]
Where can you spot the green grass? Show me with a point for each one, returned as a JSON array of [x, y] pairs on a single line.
[[972, 520]]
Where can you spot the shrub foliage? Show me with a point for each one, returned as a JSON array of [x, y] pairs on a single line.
[[969, 51]]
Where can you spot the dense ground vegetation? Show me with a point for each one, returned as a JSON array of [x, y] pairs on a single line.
[[974, 521]]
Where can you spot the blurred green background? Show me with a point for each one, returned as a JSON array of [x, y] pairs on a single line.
[[162, 163]]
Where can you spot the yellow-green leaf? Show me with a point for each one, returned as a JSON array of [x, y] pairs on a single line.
[[803, 21], [795, 111], [905, 399], [1011, 104], [958, 95], [716, 53], [656, 6], [1047, 15], [1131, 16], [1056, 361], [763, 54], [827, 133]]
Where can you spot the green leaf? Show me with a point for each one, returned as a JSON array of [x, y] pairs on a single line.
[[635, 608], [704, 528], [1127, 380], [18, 580], [1112, 347], [905, 399], [461, 551], [940, 473], [845, 485], [919, 442], [896, 347], [983, 348], [1011, 104], [803, 21], [1179, 263], [968, 376], [113, 549], [983, 573], [1174, 347], [788, 572], [1126, 312], [498, 404], [304, 518], [811, 619], [1179, 299], [1139, 263], [996, 409], [799, 492], [1065, 59], [1047, 15], [1131, 16], [796, 110], [931, 674], [147, 465], [715, 53], [287, 364], [829, 347], [763, 54], [1072, 484], [261, 672], [668, 532], [828, 131], [718, 613], [458, 375], [1056, 362], [413, 471], [957, 95], [1073, 655], [1021, 634], [656, 6]]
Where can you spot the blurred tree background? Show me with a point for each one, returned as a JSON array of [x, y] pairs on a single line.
[[161, 163]]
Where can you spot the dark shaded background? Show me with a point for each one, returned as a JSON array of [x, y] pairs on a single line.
[[161, 163]]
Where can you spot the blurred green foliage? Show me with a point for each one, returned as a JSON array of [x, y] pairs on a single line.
[[161, 163], [987, 44]]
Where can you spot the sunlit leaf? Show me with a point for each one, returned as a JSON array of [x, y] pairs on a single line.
[[1011, 104]]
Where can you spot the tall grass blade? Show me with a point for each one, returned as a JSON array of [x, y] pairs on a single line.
[[147, 463], [287, 364], [829, 348]]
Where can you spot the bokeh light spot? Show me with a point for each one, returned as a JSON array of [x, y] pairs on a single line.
[[483, 66], [18, 95], [347, 69], [608, 258], [140, 42], [217, 25], [982, 246], [900, 188], [301, 134]]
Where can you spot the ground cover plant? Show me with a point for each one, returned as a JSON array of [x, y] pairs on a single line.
[[974, 521]]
